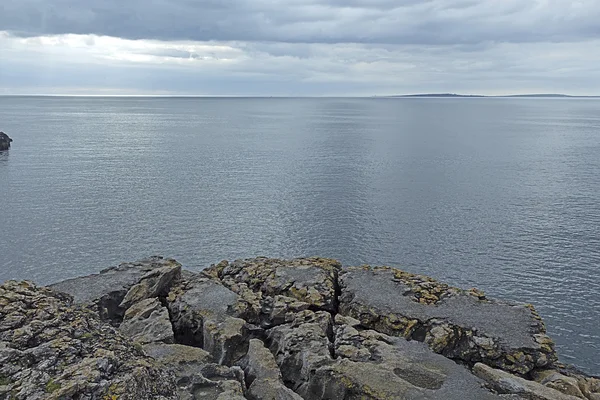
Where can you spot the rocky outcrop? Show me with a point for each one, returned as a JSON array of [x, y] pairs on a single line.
[[269, 329], [52, 350], [4, 141], [104, 292], [461, 325]]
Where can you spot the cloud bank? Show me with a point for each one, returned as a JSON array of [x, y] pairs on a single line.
[[300, 47]]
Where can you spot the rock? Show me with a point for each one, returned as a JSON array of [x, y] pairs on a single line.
[[503, 382], [52, 350], [462, 325], [155, 283], [301, 347], [204, 313], [310, 280], [4, 141], [364, 364], [263, 376], [147, 322], [226, 340], [570, 381], [325, 334], [197, 376], [105, 291]]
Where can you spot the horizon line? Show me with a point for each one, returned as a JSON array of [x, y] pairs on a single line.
[[414, 95]]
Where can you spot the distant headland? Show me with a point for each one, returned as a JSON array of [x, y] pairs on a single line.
[[533, 95]]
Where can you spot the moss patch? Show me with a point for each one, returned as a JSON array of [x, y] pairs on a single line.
[[52, 386]]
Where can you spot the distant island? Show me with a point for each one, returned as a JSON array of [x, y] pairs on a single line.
[[453, 95]]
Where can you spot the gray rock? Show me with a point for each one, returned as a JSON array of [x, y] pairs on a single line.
[[105, 291], [459, 324], [310, 280], [52, 350], [204, 313], [4, 141], [197, 376], [503, 382], [147, 322], [301, 347], [155, 283], [363, 364], [263, 375]]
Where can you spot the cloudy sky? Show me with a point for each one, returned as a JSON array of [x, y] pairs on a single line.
[[299, 47]]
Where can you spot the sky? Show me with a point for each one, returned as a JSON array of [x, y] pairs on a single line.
[[299, 47]]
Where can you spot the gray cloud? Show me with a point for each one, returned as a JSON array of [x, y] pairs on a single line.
[[299, 47], [311, 21]]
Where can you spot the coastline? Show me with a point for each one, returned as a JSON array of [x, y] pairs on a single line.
[[274, 329]]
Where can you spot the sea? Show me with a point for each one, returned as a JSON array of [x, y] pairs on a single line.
[[502, 194]]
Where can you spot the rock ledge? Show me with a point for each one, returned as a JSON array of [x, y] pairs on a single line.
[[270, 329]]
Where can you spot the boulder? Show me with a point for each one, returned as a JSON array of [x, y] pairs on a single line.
[[4, 141], [263, 376], [196, 375], [569, 381], [105, 291], [461, 325], [147, 322], [503, 382], [156, 283], [50, 349]]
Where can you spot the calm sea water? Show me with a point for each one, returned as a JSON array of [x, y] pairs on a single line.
[[500, 194]]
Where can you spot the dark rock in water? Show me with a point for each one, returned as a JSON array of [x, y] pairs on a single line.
[[4, 141], [268, 329], [52, 350]]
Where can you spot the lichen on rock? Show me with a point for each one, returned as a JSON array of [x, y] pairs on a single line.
[[50, 349], [271, 329]]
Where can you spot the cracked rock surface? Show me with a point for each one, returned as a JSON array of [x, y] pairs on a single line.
[[52, 350], [270, 329]]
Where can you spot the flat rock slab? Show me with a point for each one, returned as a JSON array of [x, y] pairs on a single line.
[[456, 323], [107, 289]]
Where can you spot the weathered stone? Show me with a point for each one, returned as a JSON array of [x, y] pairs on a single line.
[[331, 334], [105, 291], [364, 364], [459, 324], [302, 346], [263, 375], [503, 382], [147, 321], [57, 351], [310, 280], [226, 339], [203, 313], [415, 370], [4, 141], [155, 283], [197, 376]]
